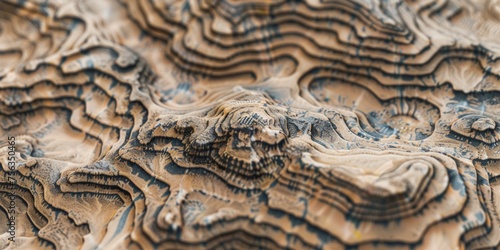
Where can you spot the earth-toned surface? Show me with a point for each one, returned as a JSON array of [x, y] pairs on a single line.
[[256, 124]]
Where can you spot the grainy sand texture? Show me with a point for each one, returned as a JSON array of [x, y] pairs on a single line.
[[249, 124]]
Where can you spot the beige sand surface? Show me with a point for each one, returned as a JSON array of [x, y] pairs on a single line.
[[249, 124]]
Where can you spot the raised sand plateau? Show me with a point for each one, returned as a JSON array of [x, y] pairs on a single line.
[[250, 124]]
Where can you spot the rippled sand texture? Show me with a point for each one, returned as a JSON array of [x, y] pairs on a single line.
[[251, 124]]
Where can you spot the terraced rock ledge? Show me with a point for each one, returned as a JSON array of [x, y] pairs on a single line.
[[250, 124]]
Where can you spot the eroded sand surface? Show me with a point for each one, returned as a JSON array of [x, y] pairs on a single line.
[[250, 124]]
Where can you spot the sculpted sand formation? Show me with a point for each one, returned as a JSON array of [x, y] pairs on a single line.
[[259, 124]]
